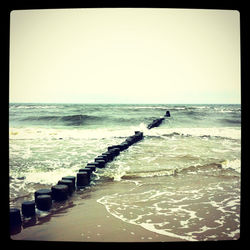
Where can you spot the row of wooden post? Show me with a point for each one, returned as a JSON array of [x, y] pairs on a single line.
[[68, 184]]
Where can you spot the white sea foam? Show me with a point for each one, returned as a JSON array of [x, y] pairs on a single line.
[[119, 206], [233, 164], [50, 133], [179, 211], [34, 107], [51, 177], [152, 228]]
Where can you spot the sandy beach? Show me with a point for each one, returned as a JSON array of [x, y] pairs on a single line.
[[82, 218]]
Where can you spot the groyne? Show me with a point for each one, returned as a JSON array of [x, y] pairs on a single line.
[[64, 188]]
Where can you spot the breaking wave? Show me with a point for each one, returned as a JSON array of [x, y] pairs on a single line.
[[66, 120]]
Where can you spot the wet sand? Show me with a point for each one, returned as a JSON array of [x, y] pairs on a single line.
[[82, 219]]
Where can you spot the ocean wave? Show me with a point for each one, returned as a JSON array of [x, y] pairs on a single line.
[[78, 120], [227, 109], [212, 132], [231, 121], [67, 119], [33, 133], [95, 133], [221, 168], [28, 107], [146, 107]]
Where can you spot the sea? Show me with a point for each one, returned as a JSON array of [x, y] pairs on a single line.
[[183, 179]]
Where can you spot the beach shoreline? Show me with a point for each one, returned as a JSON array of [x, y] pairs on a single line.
[[84, 218]]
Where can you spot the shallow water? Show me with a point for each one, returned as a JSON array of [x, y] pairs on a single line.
[[189, 207]]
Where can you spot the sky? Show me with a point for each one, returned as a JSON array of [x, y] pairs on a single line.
[[125, 55]]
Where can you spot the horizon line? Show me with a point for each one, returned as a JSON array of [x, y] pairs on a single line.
[[125, 103]]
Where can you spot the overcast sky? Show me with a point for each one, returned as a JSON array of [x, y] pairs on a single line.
[[125, 55]]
